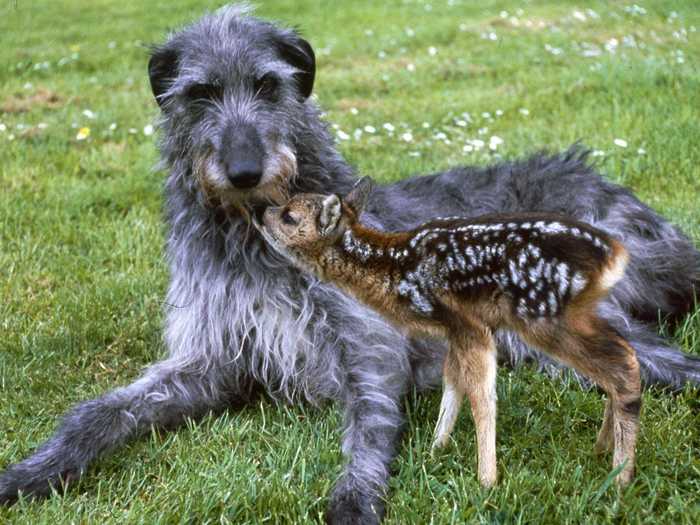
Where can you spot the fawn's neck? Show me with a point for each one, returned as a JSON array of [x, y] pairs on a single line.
[[363, 262]]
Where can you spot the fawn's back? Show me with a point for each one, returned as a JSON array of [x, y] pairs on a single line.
[[533, 263]]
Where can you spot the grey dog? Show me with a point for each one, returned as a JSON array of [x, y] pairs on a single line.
[[240, 131]]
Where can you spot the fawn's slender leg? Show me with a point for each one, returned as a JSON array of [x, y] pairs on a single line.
[[619, 377], [595, 349], [476, 351], [605, 441], [626, 405], [452, 396], [480, 377]]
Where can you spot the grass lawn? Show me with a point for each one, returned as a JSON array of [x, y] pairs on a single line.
[[410, 86]]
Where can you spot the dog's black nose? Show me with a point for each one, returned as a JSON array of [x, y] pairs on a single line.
[[242, 154], [244, 174]]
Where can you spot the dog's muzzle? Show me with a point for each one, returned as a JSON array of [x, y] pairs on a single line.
[[242, 156]]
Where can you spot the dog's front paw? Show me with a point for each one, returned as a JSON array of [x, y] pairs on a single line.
[[349, 506], [10, 485]]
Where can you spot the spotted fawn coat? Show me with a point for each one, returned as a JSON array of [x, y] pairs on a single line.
[[541, 276]]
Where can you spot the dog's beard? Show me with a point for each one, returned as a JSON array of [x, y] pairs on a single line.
[[218, 193]]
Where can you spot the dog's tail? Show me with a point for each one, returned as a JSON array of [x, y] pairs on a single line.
[[661, 363]]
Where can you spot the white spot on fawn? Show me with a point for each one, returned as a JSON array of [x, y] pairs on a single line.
[[553, 228], [522, 259], [418, 300], [534, 250], [514, 272], [522, 308], [562, 278], [578, 283], [535, 272], [548, 271], [552, 301]]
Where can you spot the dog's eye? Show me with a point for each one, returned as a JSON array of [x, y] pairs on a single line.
[[204, 92], [267, 86], [288, 219]]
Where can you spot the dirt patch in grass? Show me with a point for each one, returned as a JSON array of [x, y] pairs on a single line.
[[345, 104], [41, 99], [531, 24]]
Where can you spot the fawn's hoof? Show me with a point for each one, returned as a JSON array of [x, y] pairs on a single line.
[[488, 482], [624, 478], [438, 443]]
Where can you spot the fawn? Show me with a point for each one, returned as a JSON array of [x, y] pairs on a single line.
[[540, 276]]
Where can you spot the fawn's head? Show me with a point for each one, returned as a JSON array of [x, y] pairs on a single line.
[[310, 222]]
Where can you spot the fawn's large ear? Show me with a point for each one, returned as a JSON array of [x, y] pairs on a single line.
[[330, 214], [359, 195]]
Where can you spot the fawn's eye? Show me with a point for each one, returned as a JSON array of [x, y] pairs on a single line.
[[288, 219], [198, 92], [267, 86]]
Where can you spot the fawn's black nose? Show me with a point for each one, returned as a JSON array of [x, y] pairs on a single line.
[[242, 155]]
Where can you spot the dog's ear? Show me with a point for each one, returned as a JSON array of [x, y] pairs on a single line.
[[298, 53], [162, 70], [330, 214], [359, 195]]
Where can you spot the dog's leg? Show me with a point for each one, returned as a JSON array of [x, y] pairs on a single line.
[[164, 396], [377, 377]]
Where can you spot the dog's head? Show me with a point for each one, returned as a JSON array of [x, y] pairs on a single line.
[[233, 89]]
